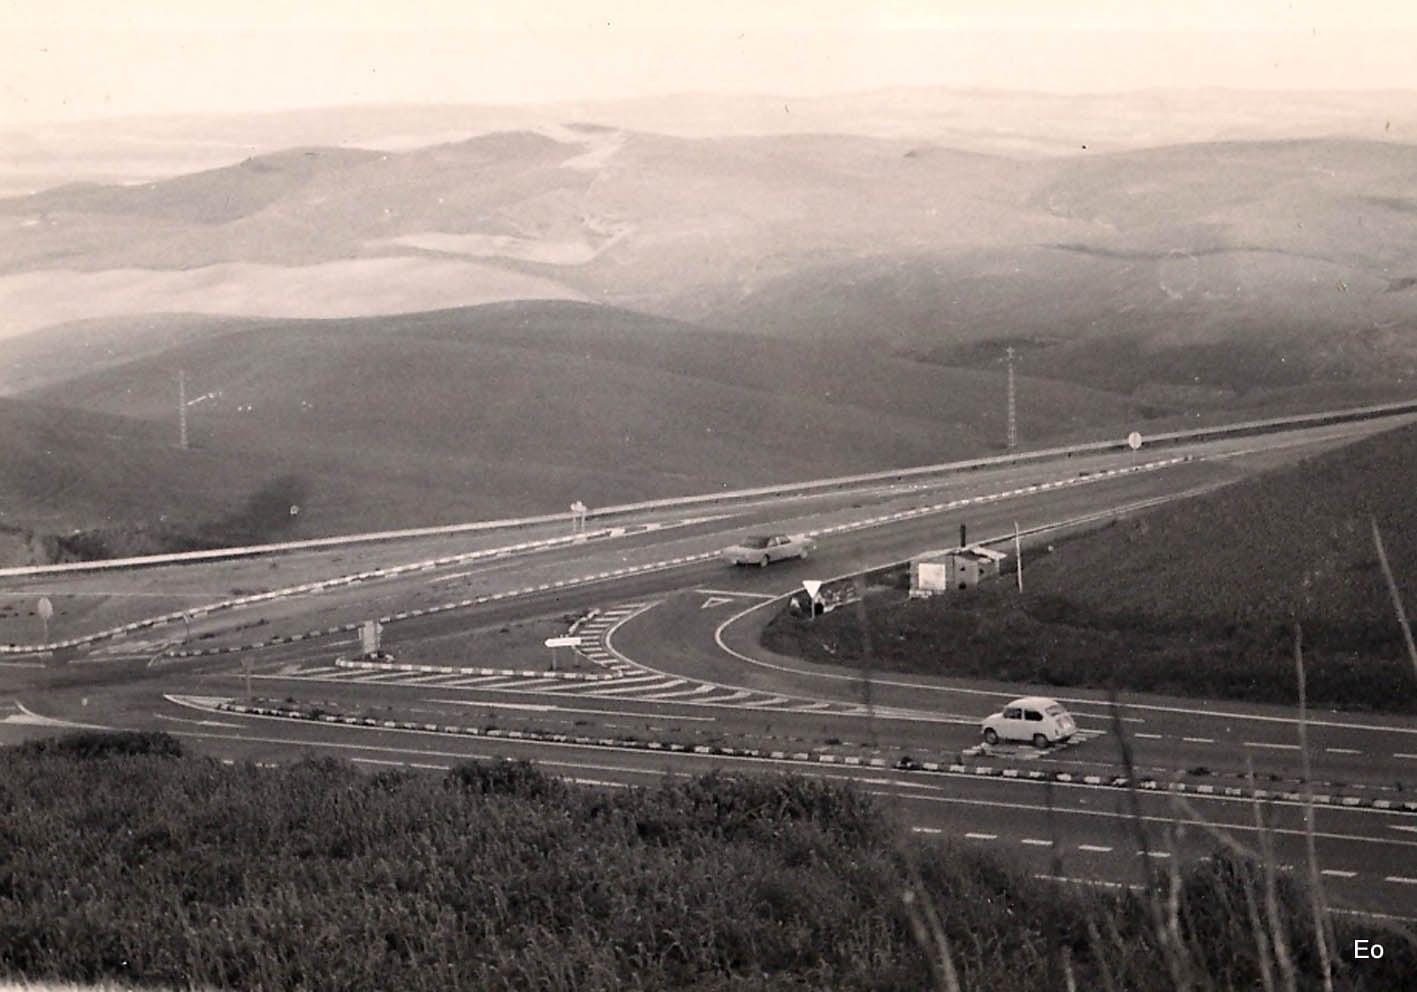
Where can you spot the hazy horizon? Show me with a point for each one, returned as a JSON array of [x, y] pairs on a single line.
[[63, 62]]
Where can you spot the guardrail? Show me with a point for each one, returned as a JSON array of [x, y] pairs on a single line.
[[1268, 425]]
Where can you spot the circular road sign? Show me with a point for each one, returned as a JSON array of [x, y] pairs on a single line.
[[46, 608], [1134, 440]]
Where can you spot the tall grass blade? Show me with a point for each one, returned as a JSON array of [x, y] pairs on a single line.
[[1316, 892], [1396, 596]]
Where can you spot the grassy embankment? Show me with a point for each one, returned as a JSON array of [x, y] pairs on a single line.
[[124, 861], [1200, 598]]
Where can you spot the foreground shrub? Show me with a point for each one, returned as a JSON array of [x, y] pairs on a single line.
[[142, 870], [107, 744]]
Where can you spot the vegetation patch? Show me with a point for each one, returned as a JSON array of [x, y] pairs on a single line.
[[1043, 639], [144, 869]]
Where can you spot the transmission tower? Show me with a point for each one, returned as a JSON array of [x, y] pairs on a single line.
[[1013, 409]]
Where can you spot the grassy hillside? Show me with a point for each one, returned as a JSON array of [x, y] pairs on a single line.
[[1233, 267], [499, 410], [1228, 266], [495, 876], [1199, 598]]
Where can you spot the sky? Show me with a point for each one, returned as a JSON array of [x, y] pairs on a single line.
[[78, 59]]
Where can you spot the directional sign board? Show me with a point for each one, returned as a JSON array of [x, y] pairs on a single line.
[[563, 642], [1134, 440]]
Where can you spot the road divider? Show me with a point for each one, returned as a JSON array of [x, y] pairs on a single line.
[[903, 764]]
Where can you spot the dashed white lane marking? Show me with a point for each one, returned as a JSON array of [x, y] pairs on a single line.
[[1036, 842], [1272, 747], [1095, 848], [1401, 880], [1198, 740], [1342, 750], [982, 836], [1149, 737], [1157, 854], [1410, 757], [927, 830], [1338, 873]]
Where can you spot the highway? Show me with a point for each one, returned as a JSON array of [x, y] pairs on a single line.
[[671, 681]]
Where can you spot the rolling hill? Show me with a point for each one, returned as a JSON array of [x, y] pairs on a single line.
[[1143, 271], [529, 316], [498, 410]]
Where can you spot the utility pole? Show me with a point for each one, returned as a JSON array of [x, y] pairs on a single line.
[[182, 409], [1013, 409]]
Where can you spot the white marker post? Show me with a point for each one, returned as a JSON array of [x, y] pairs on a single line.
[[45, 609], [578, 515], [1134, 441], [1018, 557]]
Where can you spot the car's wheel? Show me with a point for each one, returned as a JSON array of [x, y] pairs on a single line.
[[763, 562], [1039, 741], [990, 737]]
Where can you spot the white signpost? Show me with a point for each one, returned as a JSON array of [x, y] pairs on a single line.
[[46, 610], [578, 515], [560, 642], [1134, 441]]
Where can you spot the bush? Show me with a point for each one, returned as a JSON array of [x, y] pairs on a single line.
[[107, 744]]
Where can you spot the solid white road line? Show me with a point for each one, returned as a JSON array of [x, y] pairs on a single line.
[[552, 708]]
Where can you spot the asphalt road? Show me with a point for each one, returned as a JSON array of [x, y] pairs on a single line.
[[680, 643]]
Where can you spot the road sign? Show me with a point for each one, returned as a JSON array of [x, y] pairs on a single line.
[[1134, 440], [563, 642], [370, 635], [46, 608], [813, 586]]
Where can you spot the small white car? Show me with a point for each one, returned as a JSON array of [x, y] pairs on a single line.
[[763, 550], [1037, 719]]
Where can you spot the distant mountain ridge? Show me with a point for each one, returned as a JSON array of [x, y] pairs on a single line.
[[1305, 244]]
